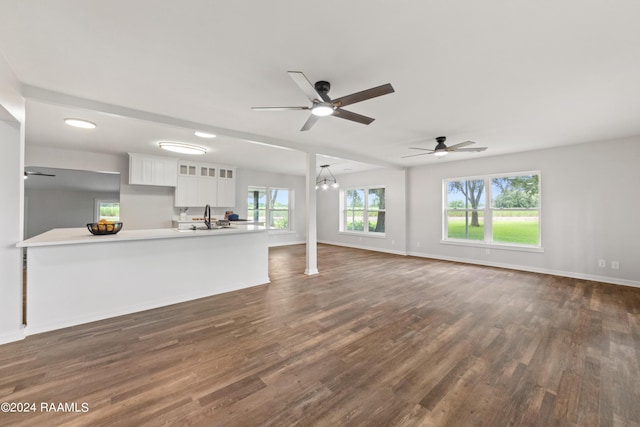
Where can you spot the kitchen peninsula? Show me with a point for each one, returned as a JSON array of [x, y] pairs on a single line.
[[74, 277]]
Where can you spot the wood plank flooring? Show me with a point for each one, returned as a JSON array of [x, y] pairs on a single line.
[[373, 340]]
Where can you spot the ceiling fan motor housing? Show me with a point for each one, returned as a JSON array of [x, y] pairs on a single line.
[[441, 145], [322, 86]]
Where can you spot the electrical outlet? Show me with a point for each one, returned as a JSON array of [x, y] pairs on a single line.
[[418, 244], [615, 265], [487, 251], [602, 263]]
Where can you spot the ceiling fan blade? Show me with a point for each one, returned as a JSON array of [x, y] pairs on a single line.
[[469, 150], [363, 95], [344, 114], [305, 85], [310, 122], [279, 108], [414, 155], [459, 145], [30, 173], [423, 149]]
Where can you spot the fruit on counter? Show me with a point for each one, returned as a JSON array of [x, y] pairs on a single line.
[[103, 225]]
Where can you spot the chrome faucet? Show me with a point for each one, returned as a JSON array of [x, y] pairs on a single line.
[[207, 216]]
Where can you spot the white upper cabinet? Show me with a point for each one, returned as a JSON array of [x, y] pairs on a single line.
[[201, 184], [152, 170], [226, 186]]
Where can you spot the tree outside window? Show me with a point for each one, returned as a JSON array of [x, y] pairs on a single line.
[[502, 209], [364, 210]]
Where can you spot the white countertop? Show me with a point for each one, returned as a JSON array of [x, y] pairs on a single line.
[[72, 236], [200, 220]]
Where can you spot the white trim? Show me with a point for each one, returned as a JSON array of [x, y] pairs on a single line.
[[279, 231], [294, 242], [373, 234], [571, 274], [366, 248], [493, 245], [494, 175], [8, 337]]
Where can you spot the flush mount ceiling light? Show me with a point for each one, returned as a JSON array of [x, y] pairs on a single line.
[[204, 134], [322, 109], [327, 181], [79, 123], [181, 147]]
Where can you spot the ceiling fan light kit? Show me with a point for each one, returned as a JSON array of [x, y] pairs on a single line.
[[322, 105], [322, 109]]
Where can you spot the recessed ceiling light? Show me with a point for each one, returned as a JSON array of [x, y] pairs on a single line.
[[204, 134], [79, 123], [181, 147]]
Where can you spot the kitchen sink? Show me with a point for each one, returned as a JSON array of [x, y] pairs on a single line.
[[213, 228]]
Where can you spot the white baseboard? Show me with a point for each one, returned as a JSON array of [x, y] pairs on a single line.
[[366, 248], [571, 274], [8, 337], [274, 244]]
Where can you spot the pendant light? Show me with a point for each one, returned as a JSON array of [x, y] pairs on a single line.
[[327, 181]]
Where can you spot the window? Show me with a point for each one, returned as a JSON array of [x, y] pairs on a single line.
[[107, 209], [496, 209], [273, 206], [363, 210]]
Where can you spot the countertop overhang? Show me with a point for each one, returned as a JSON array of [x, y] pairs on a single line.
[[73, 236]]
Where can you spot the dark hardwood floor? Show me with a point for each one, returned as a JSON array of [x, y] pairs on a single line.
[[373, 340]]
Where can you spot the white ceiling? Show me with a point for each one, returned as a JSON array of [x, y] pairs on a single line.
[[510, 75], [72, 180]]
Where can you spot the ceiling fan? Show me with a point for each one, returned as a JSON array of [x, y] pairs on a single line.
[[36, 173], [442, 149], [323, 105]]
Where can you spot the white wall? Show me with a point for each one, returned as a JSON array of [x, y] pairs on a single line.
[[248, 178], [590, 207], [141, 206], [11, 189], [395, 218], [48, 209]]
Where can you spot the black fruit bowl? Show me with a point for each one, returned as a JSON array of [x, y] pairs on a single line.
[[100, 229]]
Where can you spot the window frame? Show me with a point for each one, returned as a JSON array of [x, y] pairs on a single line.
[[269, 209], [365, 211], [487, 210], [99, 202]]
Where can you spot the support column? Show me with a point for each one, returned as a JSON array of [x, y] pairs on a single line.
[[312, 230]]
